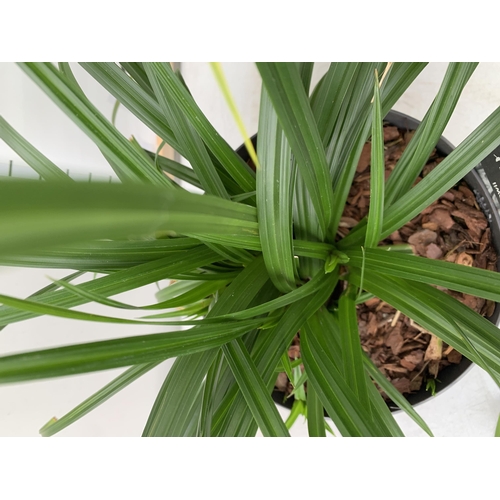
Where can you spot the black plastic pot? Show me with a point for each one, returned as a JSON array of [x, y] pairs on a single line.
[[484, 181]]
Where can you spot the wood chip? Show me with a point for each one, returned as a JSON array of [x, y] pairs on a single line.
[[464, 259], [395, 319], [390, 133], [433, 251], [434, 350], [365, 158], [395, 341]]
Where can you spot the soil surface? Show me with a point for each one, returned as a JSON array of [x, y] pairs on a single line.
[[453, 229]]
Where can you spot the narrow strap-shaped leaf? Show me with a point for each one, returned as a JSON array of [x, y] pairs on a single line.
[[64, 67], [351, 347], [171, 413], [188, 175], [36, 160], [384, 418], [349, 136], [129, 164], [55, 286], [101, 255], [484, 364], [232, 418], [429, 131], [353, 122], [137, 72], [51, 288], [305, 72], [101, 396], [118, 282], [306, 227], [401, 76], [182, 385], [194, 291], [61, 312], [394, 394], [205, 274], [430, 308], [176, 169], [377, 173], [235, 255], [315, 414], [217, 388], [179, 289], [146, 108], [140, 102], [305, 290], [181, 390], [344, 181], [50, 214], [305, 221], [179, 95], [326, 103], [286, 91], [471, 280], [330, 343], [196, 309], [187, 136], [103, 355], [249, 240], [208, 395], [480, 336], [454, 167], [254, 391], [342, 405], [347, 141], [274, 197]]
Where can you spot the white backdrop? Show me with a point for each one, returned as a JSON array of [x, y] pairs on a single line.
[[470, 408]]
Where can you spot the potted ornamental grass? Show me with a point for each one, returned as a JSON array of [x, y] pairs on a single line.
[[343, 260]]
